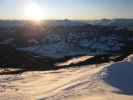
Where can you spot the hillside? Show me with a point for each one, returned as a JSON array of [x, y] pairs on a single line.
[[64, 61], [96, 82]]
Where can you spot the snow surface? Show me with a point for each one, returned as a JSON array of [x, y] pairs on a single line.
[[110, 81], [120, 75]]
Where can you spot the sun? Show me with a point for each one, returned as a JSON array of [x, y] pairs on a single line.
[[33, 12]]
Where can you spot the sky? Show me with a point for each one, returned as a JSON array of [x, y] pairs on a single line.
[[71, 9]]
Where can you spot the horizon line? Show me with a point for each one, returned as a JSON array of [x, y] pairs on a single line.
[[15, 19]]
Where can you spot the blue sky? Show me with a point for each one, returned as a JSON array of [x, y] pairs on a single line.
[[72, 9]]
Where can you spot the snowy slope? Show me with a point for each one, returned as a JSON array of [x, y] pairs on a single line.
[[110, 81], [120, 75]]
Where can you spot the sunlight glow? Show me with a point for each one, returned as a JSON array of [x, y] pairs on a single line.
[[33, 12]]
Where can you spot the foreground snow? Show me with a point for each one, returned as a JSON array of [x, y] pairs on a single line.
[[110, 81]]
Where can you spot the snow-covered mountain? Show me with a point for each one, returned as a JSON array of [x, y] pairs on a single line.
[[91, 40], [63, 23], [27, 76], [61, 38], [123, 23]]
